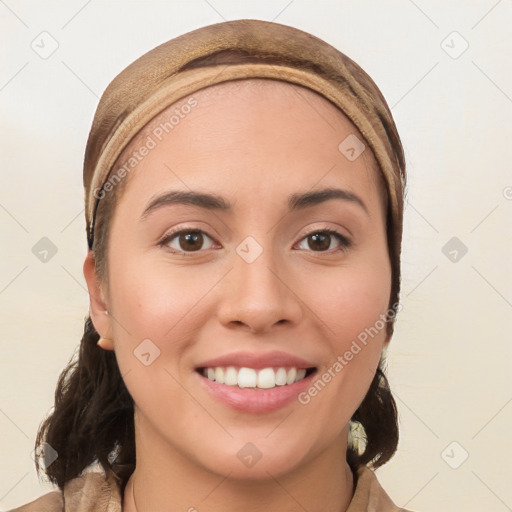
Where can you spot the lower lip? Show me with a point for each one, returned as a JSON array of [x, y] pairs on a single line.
[[256, 400]]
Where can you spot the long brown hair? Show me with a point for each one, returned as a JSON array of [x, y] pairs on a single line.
[[93, 417]]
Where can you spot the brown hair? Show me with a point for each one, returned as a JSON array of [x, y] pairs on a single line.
[[93, 417]]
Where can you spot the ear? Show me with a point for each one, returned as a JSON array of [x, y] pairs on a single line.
[[98, 306]]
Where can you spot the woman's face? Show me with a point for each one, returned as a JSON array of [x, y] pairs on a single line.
[[252, 281]]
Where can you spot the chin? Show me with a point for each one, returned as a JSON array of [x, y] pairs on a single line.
[[262, 458]]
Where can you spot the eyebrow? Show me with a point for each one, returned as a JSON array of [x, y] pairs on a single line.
[[219, 203]]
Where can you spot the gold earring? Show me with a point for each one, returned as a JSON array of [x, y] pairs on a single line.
[[101, 342]]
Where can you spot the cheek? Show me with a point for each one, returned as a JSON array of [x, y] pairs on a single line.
[[160, 308], [158, 300], [351, 304], [352, 299]]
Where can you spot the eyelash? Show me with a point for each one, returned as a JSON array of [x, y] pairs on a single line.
[[344, 242]]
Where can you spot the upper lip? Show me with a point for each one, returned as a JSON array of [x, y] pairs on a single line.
[[257, 361]]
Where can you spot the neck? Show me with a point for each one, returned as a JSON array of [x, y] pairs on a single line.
[[164, 479]]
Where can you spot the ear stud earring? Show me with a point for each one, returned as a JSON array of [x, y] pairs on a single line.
[[101, 342]]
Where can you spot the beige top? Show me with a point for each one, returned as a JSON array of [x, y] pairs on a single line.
[[92, 493]]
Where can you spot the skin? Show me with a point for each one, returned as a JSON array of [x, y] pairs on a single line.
[[255, 143]]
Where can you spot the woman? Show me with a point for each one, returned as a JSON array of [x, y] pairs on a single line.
[[244, 200]]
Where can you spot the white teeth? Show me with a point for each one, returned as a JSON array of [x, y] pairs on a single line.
[[231, 376], [265, 378], [281, 377], [219, 375], [292, 373], [300, 374], [247, 378]]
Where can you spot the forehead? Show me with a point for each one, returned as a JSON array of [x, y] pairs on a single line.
[[253, 118], [234, 95]]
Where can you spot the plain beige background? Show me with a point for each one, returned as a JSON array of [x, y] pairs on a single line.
[[445, 70]]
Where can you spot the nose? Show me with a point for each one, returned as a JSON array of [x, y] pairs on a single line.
[[259, 296]]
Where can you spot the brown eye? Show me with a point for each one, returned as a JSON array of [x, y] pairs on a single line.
[[186, 241], [320, 241], [191, 241]]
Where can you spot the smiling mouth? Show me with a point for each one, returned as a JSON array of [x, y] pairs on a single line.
[[263, 378]]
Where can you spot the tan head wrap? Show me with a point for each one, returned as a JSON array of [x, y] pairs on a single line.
[[173, 71]]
